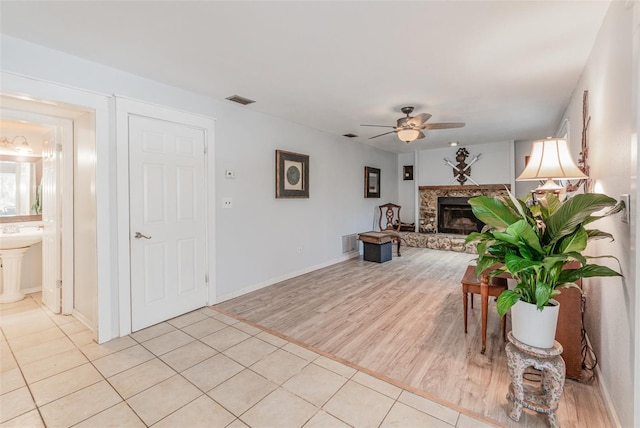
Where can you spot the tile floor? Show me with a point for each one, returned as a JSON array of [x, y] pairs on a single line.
[[200, 369]]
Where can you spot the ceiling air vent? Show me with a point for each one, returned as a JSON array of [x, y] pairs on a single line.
[[349, 135], [240, 100]]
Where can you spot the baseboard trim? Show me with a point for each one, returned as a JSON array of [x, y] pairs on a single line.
[[249, 289], [84, 320], [31, 290], [608, 402]]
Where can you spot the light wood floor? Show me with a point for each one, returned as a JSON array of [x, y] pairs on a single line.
[[403, 319]]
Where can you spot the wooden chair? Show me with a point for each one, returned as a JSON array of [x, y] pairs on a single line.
[[389, 222], [472, 285]]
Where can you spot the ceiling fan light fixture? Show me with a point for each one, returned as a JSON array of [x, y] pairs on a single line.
[[408, 135]]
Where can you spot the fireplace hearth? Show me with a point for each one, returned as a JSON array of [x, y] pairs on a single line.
[[455, 216]]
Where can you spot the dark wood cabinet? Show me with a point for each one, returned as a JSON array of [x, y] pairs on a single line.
[[568, 332]]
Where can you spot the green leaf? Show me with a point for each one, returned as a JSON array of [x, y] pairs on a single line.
[[536, 210], [493, 212], [576, 256], [543, 294], [573, 212], [474, 236], [613, 210], [527, 253], [518, 206], [506, 300], [506, 236], [523, 230], [576, 241], [587, 271], [598, 234], [481, 246], [516, 264], [549, 204], [485, 262], [553, 202]]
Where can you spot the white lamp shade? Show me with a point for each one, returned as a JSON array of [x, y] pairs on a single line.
[[408, 135], [550, 159]]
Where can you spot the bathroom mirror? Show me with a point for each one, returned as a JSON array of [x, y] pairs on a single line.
[[20, 177]]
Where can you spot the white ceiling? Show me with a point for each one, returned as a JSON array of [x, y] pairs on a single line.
[[506, 68]]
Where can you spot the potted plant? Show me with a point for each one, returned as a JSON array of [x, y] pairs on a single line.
[[541, 248]]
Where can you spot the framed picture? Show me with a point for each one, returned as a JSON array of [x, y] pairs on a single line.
[[407, 172], [292, 175], [371, 182]]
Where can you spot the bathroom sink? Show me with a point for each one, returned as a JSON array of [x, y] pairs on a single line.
[[25, 238]]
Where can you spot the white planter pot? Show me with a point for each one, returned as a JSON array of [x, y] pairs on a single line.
[[534, 327]]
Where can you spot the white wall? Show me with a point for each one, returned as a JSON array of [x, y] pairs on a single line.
[[494, 167], [521, 150], [407, 189], [258, 240], [611, 77]]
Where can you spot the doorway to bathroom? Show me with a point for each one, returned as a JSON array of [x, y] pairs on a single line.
[[62, 143]]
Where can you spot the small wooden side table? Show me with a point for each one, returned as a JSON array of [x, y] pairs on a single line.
[[545, 399], [471, 284]]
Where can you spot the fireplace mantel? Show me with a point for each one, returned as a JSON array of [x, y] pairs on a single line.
[[466, 188]]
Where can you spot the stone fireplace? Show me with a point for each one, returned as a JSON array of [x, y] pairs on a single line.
[[456, 197], [457, 213]]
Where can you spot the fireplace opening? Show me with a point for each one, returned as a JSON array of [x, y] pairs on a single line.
[[455, 216]]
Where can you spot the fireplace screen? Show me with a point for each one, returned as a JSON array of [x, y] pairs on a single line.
[[455, 216]]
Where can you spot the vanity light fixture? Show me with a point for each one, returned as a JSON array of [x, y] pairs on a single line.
[[18, 143]]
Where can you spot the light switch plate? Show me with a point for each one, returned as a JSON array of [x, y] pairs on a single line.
[[625, 214], [230, 174]]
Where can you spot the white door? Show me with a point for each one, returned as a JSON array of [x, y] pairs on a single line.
[[167, 220], [51, 212]]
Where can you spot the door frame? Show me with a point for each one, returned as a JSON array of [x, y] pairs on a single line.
[[64, 130], [124, 107], [34, 89]]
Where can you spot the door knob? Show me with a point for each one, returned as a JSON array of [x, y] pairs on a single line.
[[139, 235]]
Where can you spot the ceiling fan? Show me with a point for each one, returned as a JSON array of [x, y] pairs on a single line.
[[410, 128]]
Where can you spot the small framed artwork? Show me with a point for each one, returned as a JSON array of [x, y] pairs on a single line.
[[292, 175], [371, 182], [407, 172]]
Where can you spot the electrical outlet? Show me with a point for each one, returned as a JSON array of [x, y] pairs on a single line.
[[625, 214], [227, 203]]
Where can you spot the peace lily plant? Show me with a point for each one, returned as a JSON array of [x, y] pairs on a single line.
[[534, 244]]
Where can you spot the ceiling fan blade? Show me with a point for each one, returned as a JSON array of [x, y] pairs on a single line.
[[419, 119], [442, 125], [420, 135], [381, 126], [376, 136]]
